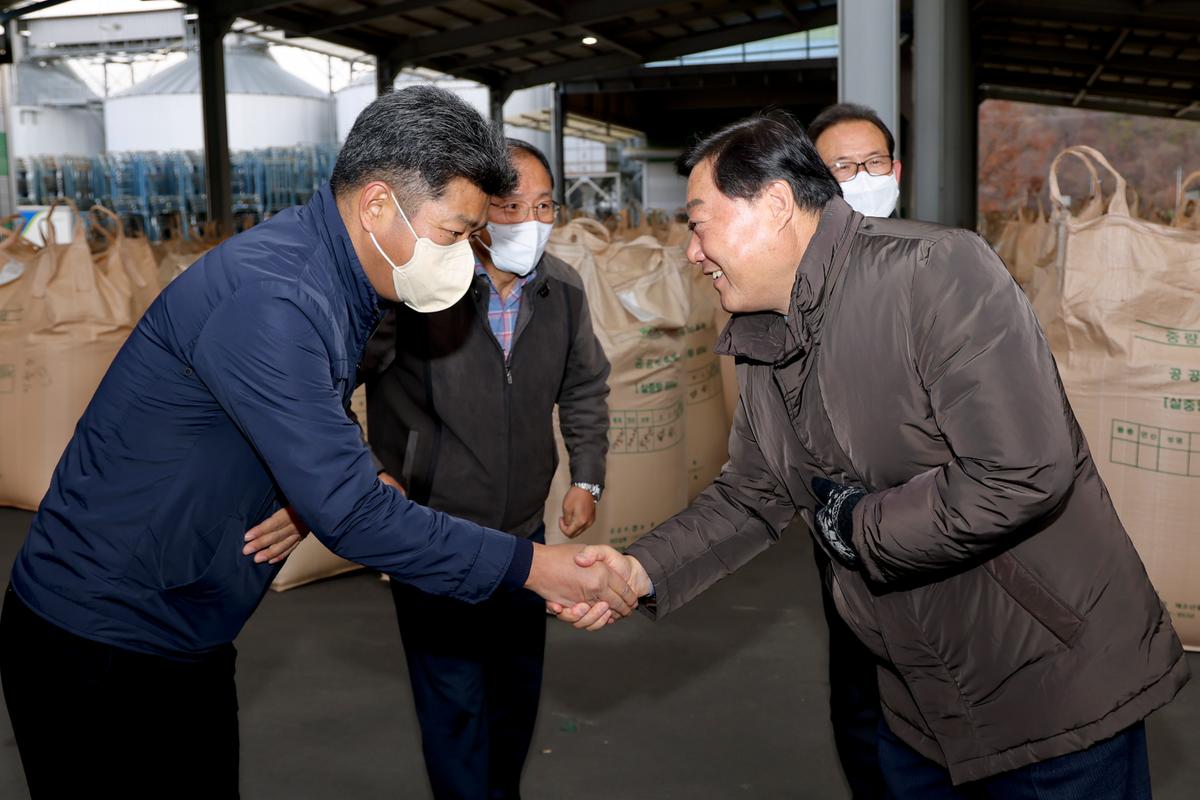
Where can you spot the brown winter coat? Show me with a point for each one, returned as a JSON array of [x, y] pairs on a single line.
[[1012, 617]]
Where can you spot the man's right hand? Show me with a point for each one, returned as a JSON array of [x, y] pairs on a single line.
[[557, 575], [584, 615]]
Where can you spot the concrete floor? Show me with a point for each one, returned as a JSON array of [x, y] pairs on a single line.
[[726, 699]]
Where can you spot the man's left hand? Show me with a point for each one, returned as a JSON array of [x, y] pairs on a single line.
[[274, 539], [596, 616], [835, 518], [578, 512]]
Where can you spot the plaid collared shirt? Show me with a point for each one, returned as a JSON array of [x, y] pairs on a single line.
[[502, 313]]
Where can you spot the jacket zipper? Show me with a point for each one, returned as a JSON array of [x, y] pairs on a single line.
[[508, 417], [505, 362], [508, 382], [535, 288], [362, 350]]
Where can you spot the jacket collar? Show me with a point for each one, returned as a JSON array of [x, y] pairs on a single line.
[[532, 286], [521, 284], [362, 301], [771, 338]]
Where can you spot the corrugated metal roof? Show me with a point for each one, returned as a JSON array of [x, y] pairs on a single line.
[[51, 84], [515, 44], [248, 70]]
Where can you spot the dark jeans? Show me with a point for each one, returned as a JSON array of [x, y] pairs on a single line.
[[95, 720], [854, 706], [477, 677], [1114, 769]]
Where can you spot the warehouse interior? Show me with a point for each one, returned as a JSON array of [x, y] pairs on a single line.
[[728, 697]]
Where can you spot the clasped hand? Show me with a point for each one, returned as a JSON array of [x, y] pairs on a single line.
[[587, 586]]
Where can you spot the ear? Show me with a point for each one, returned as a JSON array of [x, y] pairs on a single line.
[[373, 201], [896, 165], [781, 205]]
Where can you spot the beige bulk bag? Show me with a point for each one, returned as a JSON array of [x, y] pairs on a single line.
[[578, 243], [50, 365], [707, 429], [1006, 242], [17, 257], [729, 382], [1032, 240], [1022, 241], [639, 304], [677, 235], [127, 261], [1046, 287], [1125, 331], [1187, 213], [178, 253]]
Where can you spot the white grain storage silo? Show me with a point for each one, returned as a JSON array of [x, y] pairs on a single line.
[[266, 107], [349, 102], [55, 113], [352, 99]]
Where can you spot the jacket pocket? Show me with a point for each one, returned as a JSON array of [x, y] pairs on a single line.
[[1039, 602], [186, 559], [856, 607]]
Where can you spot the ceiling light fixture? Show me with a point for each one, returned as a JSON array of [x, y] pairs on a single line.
[[590, 40]]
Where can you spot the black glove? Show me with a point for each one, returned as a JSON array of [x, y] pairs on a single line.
[[835, 517]]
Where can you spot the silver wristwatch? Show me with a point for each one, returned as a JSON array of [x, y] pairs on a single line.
[[594, 489]]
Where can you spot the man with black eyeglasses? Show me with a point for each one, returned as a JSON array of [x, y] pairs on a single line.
[[460, 411], [860, 152], [858, 148]]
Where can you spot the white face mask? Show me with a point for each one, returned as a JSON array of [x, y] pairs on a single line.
[[437, 275], [872, 195], [518, 248]]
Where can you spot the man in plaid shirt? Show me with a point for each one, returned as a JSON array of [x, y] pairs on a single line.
[[460, 408]]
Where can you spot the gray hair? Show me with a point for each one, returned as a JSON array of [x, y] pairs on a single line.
[[418, 140]]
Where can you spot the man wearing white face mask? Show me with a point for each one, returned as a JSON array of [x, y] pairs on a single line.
[[228, 405], [860, 152], [461, 407], [858, 149]]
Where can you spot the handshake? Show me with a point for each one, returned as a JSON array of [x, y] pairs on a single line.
[[588, 586]]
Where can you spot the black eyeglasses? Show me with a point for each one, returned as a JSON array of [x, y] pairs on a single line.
[[516, 211], [875, 165]]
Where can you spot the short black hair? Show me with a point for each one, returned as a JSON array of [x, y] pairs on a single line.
[[769, 146], [850, 112], [522, 146], [419, 139]]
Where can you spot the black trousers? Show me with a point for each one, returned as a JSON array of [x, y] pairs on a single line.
[[854, 705], [95, 720], [476, 675], [1112, 769]]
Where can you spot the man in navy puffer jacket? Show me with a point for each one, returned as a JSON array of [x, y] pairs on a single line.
[[227, 404]]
